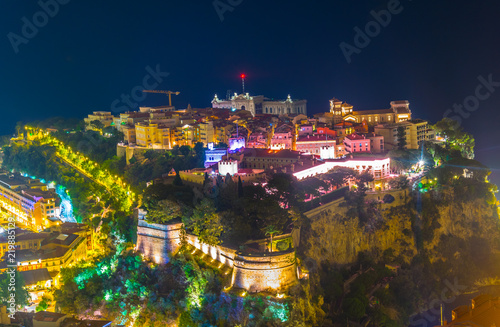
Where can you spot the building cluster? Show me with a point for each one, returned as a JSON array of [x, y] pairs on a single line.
[[255, 134], [33, 203], [39, 257], [262, 123]]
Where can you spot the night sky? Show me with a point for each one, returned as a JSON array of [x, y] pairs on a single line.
[[91, 52]]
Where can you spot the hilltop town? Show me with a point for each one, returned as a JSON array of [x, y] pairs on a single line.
[[248, 200]]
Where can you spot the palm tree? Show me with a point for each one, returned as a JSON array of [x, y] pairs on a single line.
[[271, 230]]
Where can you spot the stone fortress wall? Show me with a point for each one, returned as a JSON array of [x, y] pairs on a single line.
[[156, 241], [253, 272]]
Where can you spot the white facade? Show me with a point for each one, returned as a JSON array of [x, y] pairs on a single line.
[[228, 167], [262, 105], [380, 168], [327, 152]]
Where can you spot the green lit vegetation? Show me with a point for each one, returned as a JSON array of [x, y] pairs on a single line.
[[186, 291]]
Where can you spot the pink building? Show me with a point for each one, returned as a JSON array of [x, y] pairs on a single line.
[[282, 138], [257, 141], [357, 143], [313, 144], [305, 130]]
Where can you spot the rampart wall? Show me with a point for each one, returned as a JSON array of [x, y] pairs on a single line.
[[156, 241], [253, 272]]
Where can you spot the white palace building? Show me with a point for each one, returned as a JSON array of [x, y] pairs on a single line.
[[262, 105]]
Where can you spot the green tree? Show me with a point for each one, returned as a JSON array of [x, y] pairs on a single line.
[[7, 288], [339, 176], [272, 230], [97, 125], [401, 137], [185, 150], [399, 182], [205, 223], [165, 211]]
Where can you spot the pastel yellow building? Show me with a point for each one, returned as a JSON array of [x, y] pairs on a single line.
[[339, 111], [153, 136], [105, 117], [416, 132]]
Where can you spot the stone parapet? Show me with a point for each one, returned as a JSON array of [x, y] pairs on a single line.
[[265, 272]]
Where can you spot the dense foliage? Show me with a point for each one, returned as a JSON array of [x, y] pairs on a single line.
[[186, 291]]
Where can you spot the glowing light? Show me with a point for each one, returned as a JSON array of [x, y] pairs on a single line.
[[66, 214], [242, 75], [108, 295]]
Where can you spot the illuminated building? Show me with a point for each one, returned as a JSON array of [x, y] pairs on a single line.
[[24, 241], [306, 130], [207, 133], [257, 141], [104, 117], [326, 131], [188, 134], [483, 311], [313, 144], [282, 138], [379, 168], [129, 119], [222, 131], [272, 159], [416, 132], [36, 282], [339, 111], [343, 129], [228, 167], [153, 136], [236, 143], [357, 143], [376, 142], [56, 251], [129, 134], [214, 155], [262, 105], [31, 207]]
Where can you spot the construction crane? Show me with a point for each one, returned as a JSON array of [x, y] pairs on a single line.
[[164, 92]]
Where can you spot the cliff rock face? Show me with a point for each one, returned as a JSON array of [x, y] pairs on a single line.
[[427, 221], [466, 220], [338, 240]]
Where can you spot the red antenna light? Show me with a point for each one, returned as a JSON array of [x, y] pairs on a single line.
[[243, 82]]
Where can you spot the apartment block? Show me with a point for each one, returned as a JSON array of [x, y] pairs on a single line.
[[416, 132]]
